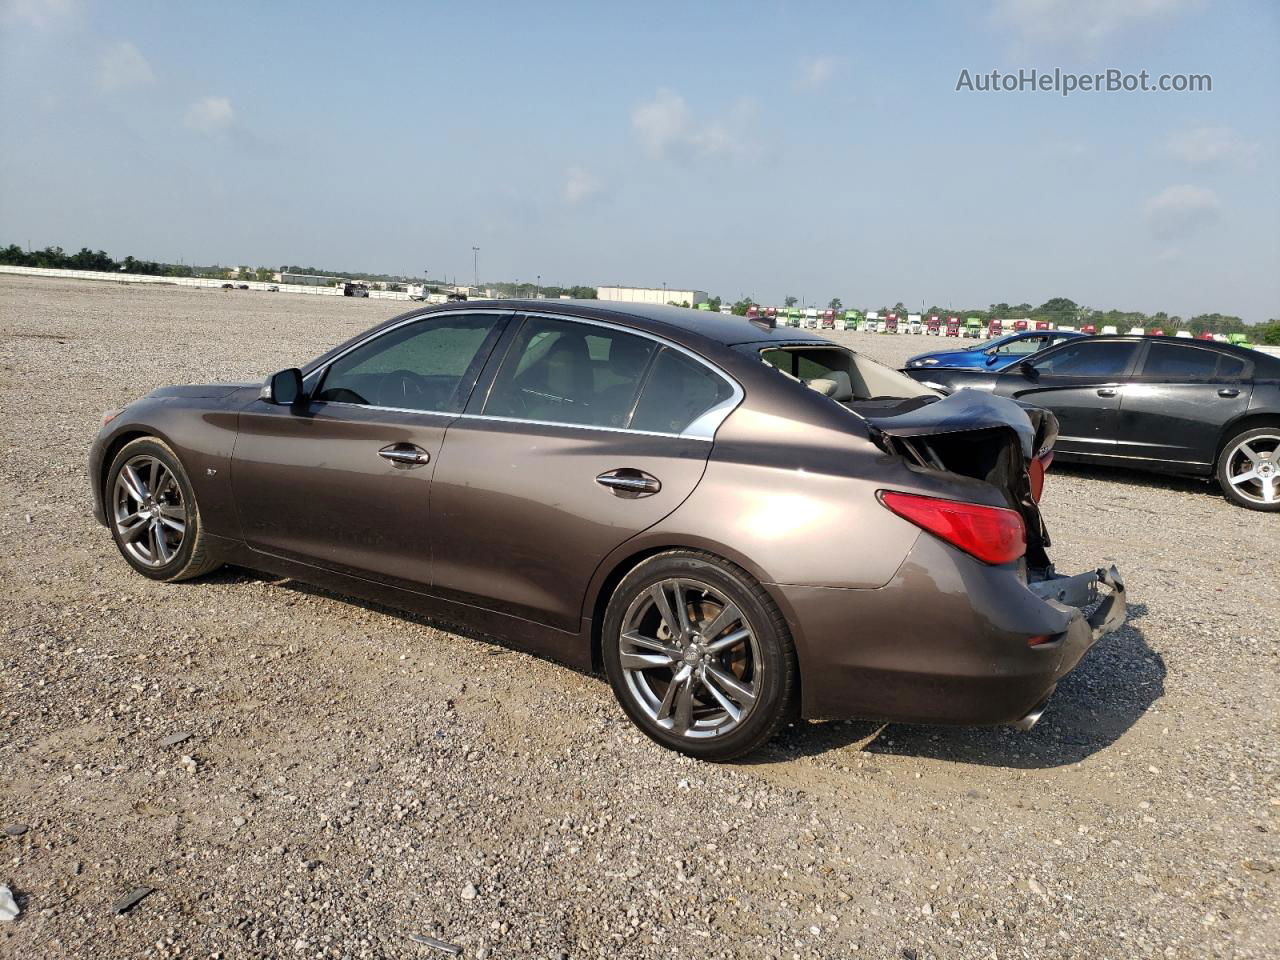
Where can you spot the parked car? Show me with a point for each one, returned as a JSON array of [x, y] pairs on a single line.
[[355, 290], [242, 286], [598, 484], [992, 354], [1157, 404], [1089, 328], [273, 289], [228, 286]]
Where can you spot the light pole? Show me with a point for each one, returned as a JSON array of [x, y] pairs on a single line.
[[475, 264], [537, 290]]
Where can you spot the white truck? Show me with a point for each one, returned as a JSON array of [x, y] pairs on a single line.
[[914, 324]]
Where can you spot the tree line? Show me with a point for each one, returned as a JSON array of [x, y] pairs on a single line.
[[1061, 310]]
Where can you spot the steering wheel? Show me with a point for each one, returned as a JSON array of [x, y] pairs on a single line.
[[402, 388]]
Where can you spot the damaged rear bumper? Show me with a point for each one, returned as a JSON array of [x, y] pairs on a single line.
[[948, 640]]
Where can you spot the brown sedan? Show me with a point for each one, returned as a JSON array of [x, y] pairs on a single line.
[[736, 522]]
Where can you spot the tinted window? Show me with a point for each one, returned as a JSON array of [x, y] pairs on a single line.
[[1177, 362], [679, 390], [428, 365], [565, 372], [1088, 358]]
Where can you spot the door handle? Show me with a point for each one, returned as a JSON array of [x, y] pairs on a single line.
[[1107, 391], [1228, 392], [405, 454], [628, 482]]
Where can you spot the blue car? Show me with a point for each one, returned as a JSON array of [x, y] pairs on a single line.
[[994, 354]]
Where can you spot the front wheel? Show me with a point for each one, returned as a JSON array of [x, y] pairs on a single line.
[[152, 511], [1249, 469], [699, 655]]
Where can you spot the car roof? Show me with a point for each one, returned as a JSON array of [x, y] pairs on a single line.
[[721, 328]]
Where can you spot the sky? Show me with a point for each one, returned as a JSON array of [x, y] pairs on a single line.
[[746, 149]]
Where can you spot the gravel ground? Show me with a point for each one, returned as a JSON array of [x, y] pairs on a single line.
[[351, 777]]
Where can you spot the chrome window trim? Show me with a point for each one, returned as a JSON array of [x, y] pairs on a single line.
[[703, 428]]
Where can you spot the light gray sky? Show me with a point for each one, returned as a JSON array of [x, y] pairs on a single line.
[[814, 149]]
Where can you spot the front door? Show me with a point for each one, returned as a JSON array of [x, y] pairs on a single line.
[[588, 435], [342, 481], [1081, 382]]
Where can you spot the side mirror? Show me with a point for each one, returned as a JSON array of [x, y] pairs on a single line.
[[1028, 370], [283, 388], [992, 357]]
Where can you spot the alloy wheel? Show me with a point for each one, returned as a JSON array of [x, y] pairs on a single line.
[[690, 658], [148, 510], [1253, 469]]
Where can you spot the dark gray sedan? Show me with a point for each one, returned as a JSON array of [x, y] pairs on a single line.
[[735, 522], [1163, 404]]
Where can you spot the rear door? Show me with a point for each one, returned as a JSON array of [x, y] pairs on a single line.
[[586, 435], [1081, 382], [343, 481], [1174, 410]]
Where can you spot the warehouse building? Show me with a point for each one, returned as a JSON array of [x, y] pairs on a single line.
[[651, 295]]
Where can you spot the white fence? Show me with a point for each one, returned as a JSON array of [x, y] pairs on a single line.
[[191, 281]]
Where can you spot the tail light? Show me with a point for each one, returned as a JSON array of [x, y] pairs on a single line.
[[993, 535], [1035, 473]]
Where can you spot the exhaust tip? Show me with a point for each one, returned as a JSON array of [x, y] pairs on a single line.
[[1033, 717]]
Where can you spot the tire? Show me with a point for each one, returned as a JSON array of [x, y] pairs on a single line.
[[1249, 469], [745, 664], [145, 524]]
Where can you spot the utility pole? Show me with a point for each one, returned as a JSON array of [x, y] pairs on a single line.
[[475, 263]]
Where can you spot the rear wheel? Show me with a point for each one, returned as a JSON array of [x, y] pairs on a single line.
[[1249, 469], [699, 655], [153, 514]]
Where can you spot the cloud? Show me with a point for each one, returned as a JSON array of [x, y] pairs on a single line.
[[581, 185], [1212, 147], [667, 128], [122, 66], [210, 115], [1180, 210], [1087, 22], [816, 72], [39, 13]]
